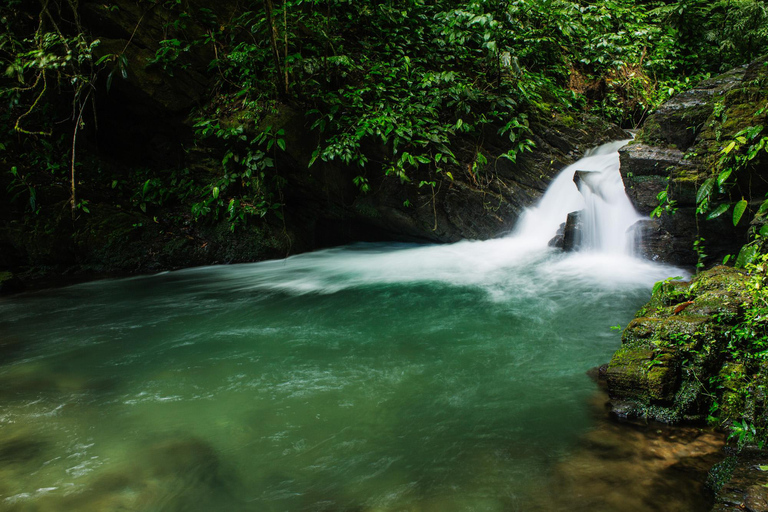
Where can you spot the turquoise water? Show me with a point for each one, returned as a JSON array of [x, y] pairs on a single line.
[[366, 378]]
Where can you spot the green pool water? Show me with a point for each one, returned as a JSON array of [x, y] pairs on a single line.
[[365, 378]]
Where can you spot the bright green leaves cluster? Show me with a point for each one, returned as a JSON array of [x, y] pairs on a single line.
[[736, 160], [742, 383]]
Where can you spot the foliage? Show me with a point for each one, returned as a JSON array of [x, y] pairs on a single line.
[[243, 191], [729, 187], [388, 88], [741, 389]]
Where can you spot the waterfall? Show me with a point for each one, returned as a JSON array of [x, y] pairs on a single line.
[[606, 212]]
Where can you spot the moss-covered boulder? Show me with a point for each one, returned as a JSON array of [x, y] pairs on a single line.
[[679, 358], [679, 148]]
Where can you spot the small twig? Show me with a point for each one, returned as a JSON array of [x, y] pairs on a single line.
[[18, 128], [74, 143]]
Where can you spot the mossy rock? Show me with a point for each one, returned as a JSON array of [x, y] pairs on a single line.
[[670, 355], [637, 373]]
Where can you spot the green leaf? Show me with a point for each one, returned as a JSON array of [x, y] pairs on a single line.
[[738, 211], [281, 144], [727, 149], [704, 190], [718, 211], [723, 176], [746, 256], [764, 231], [215, 192], [109, 56]]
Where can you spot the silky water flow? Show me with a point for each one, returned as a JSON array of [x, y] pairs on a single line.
[[372, 377]]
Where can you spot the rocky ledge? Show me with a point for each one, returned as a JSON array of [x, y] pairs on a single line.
[[678, 149], [695, 352]]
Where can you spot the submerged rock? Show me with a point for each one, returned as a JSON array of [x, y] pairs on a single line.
[[633, 466]]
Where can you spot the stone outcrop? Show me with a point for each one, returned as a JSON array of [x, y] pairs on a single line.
[[677, 150], [675, 344], [692, 354]]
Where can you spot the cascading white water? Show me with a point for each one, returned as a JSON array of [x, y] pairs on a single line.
[[488, 264], [607, 212]]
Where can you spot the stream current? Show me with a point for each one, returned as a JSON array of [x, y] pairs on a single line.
[[373, 377]]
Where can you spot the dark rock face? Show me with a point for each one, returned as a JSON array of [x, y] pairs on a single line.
[[568, 237], [676, 151], [477, 206]]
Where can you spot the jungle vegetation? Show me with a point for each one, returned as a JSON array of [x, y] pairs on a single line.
[[410, 76]]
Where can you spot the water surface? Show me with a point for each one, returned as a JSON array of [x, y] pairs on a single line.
[[364, 378]]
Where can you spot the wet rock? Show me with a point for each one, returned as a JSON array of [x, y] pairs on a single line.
[[653, 241], [633, 466], [674, 344], [645, 171], [30, 379], [587, 179], [568, 236], [677, 150], [572, 232], [193, 460], [174, 475], [742, 482], [557, 241]]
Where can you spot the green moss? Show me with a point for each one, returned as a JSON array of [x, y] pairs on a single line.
[[683, 360], [720, 474]]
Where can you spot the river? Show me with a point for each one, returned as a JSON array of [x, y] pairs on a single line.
[[372, 377]]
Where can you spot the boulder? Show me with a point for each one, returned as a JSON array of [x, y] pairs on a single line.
[[675, 347], [678, 149]]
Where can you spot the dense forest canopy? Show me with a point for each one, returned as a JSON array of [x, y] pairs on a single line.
[[383, 86]]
